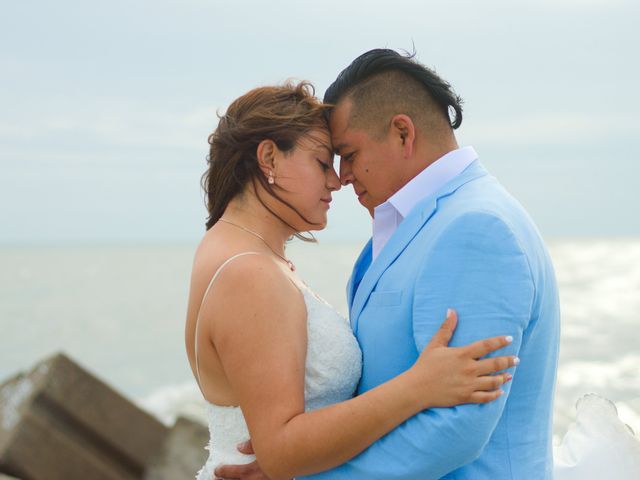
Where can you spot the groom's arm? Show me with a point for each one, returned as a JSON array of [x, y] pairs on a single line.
[[478, 268]]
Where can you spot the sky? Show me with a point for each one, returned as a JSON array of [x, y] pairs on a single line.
[[105, 107]]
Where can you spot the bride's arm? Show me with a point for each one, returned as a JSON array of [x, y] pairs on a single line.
[[257, 322]]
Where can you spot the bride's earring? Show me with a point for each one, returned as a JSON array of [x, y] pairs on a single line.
[[271, 180]]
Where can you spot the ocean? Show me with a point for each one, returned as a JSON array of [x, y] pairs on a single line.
[[119, 311]]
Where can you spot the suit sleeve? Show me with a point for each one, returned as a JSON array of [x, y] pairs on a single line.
[[477, 267]]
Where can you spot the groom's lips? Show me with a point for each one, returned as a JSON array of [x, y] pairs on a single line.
[[360, 194]]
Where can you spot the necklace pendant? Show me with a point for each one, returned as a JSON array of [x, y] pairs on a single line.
[[291, 265]]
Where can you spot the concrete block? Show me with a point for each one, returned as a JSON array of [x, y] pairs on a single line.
[[183, 453], [60, 422]]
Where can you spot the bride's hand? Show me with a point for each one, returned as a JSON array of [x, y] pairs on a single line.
[[449, 376]]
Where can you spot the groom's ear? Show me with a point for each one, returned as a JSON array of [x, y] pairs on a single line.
[[404, 131], [266, 155]]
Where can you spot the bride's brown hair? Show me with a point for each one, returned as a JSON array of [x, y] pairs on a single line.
[[282, 114]]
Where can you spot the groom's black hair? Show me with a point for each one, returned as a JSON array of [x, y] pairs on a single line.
[[380, 75]]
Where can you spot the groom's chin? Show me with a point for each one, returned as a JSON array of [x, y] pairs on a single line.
[[369, 209], [366, 204]]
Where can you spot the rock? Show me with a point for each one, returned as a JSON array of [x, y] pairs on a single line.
[[183, 453], [61, 422]]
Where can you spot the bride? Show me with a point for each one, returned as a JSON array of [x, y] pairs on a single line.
[[274, 361]]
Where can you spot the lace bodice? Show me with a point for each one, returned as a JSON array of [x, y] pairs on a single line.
[[332, 371]]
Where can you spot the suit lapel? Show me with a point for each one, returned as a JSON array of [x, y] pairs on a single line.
[[408, 229], [401, 238], [359, 269]]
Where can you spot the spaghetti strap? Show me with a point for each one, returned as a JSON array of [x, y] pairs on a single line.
[[215, 275]]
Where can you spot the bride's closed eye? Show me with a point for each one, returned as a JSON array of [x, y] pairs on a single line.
[[324, 165]]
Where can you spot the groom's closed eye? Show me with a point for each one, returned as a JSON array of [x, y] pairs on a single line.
[[348, 157]]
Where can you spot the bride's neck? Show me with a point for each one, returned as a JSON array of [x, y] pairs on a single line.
[[248, 212]]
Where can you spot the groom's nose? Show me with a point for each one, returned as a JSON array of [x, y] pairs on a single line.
[[346, 176]]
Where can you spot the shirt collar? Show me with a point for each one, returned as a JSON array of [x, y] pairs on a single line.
[[431, 179]]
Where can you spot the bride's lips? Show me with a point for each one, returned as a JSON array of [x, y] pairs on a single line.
[[327, 201]]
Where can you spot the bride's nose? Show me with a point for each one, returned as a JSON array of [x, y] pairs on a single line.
[[333, 181]]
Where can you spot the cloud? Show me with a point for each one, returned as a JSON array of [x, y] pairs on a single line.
[[103, 123], [608, 4], [554, 128]]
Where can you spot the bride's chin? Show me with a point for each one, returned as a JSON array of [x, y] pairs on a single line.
[[312, 221], [320, 224]]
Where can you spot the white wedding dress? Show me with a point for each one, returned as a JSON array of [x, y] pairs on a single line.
[[332, 371], [598, 445]]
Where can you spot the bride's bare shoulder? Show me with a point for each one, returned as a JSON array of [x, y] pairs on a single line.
[[212, 251], [258, 276]]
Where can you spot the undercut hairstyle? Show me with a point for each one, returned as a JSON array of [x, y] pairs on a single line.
[[382, 82], [284, 114]]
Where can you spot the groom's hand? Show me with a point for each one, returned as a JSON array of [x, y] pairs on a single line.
[[250, 471]]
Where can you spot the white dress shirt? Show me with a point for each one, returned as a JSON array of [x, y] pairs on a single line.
[[387, 217]]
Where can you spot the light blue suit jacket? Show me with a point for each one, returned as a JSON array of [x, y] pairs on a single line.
[[471, 247]]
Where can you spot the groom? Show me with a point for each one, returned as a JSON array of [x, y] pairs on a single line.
[[445, 233]]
